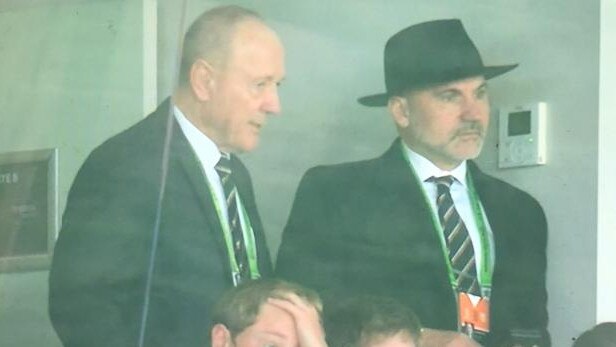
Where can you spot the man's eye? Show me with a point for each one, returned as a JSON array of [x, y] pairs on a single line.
[[482, 93], [447, 96], [261, 84]]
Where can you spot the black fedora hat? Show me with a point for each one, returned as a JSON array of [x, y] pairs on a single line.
[[430, 53]]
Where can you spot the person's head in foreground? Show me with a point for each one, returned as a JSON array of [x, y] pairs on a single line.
[[371, 322], [602, 335], [268, 313]]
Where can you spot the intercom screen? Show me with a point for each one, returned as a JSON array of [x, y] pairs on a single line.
[[519, 123]]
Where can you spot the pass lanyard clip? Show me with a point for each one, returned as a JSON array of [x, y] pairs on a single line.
[[473, 313]]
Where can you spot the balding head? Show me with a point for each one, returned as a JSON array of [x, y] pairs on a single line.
[[210, 37]]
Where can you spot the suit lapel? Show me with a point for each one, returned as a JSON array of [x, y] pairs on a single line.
[[421, 239], [399, 181], [491, 203], [411, 210], [496, 212], [183, 157]]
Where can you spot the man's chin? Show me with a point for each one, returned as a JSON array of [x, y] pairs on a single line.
[[469, 155], [247, 146], [466, 153]]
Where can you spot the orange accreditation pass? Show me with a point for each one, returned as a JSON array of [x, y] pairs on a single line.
[[474, 311]]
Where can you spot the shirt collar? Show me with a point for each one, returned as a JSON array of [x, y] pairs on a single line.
[[204, 147], [425, 169]]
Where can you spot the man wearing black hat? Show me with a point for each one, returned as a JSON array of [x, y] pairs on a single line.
[[422, 223]]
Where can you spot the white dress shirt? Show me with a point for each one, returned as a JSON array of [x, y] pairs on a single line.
[[425, 169]]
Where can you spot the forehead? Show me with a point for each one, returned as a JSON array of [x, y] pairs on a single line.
[[470, 83], [271, 325], [252, 37], [255, 52]]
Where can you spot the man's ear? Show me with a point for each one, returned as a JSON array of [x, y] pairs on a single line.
[[399, 111], [221, 336], [202, 79]]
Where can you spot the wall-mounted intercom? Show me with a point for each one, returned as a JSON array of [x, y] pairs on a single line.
[[522, 135]]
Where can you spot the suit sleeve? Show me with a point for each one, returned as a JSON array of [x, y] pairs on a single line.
[[96, 280], [309, 251], [519, 284], [535, 279]]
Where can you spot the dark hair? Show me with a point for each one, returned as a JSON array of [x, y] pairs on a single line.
[[360, 320], [238, 308], [602, 335], [210, 36]]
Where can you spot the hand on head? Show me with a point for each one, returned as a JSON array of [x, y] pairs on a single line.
[[306, 317]]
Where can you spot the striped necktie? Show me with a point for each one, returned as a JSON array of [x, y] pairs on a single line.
[[459, 245], [235, 227]]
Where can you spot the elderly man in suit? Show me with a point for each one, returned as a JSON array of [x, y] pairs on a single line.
[[161, 218], [422, 223]]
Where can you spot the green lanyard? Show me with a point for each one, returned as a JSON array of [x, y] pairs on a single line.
[[484, 275], [248, 236]]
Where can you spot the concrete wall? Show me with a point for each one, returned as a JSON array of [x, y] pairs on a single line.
[[606, 235], [70, 76]]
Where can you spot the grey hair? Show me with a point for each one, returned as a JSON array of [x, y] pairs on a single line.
[[210, 37]]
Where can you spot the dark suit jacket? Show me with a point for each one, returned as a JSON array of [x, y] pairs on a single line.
[[98, 274], [365, 228]]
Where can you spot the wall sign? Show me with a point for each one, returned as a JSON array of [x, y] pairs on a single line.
[[28, 209]]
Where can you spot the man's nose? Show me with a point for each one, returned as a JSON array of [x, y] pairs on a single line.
[[474, 109], [271, 103]]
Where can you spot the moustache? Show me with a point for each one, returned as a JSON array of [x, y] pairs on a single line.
[[475, 128]]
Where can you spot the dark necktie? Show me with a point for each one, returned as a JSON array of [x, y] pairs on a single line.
[[459, 245], [235, 227]]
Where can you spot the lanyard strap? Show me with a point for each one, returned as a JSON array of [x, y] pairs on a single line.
[[484, 275], [248, 236], [247, 233], [249, 241]]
